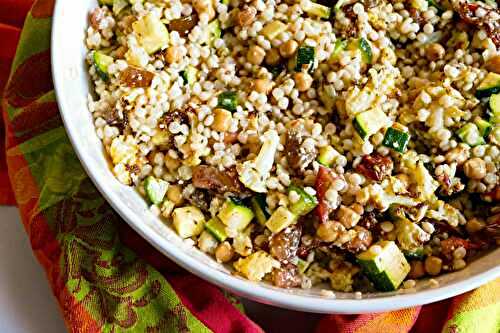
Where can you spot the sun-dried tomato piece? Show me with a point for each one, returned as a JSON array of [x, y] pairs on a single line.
[[450, 244], [375, 166]]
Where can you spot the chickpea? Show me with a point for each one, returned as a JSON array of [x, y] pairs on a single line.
[[171, 164], [328, 231], [348, 217], [474, 225], [458, 154], [246, 16], [288, 48], [256, 55], [204, 7], [416, 270], [435, 52], [303, 81], [433, 265], [458, 264], [475, 168], [174, 194], [224, 252], [272, 57], [173, 54], [493, 64], [222, 120], [358, 208], [263, 86]]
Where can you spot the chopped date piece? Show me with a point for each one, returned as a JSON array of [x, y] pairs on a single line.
[[349, 12], [304, 250], [230, 138], [493, 227], [324, 180], [201, 199], [136, 78], [211, 178], [284, 245], [493, 196], [286, 277], [371, 3], [184, 24], [368, 221], [415, 15], [298, 155], [375, 166], [181, 116], [113, 118], [96, 17]]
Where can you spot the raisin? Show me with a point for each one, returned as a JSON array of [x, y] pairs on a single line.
[[284, 245], [286, 277]]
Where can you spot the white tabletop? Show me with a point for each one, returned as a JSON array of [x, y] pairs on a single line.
[[27, 305]]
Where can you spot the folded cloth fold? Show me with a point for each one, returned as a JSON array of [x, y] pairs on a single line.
[[103, 275]]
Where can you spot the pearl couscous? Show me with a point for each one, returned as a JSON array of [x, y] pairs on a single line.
[[301, 142]]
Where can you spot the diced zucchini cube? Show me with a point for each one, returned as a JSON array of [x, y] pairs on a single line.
[[228, 100], [189, 75], [151, 33], [490, 85], [305, 204], [366, 50], [417, 254], [304, 59], [212, 32], [155, 189], [494, 103], [483, 126], [340, 45], [327, 155], [235, 216], [370, 122], [280, 219], [188, 221], [315, 9], [385, 265], [260, 209], [101, 63], [470, 135], [396, 139], [272, 29], [217, 229]]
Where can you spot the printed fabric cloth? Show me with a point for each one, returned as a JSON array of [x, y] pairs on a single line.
[[103, 275]]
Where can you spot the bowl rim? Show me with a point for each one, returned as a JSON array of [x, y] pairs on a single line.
[[281, 298]]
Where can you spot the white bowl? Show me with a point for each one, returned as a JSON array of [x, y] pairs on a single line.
[[72, 86]]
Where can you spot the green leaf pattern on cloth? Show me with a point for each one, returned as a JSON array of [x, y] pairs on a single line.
[[118, 291]]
